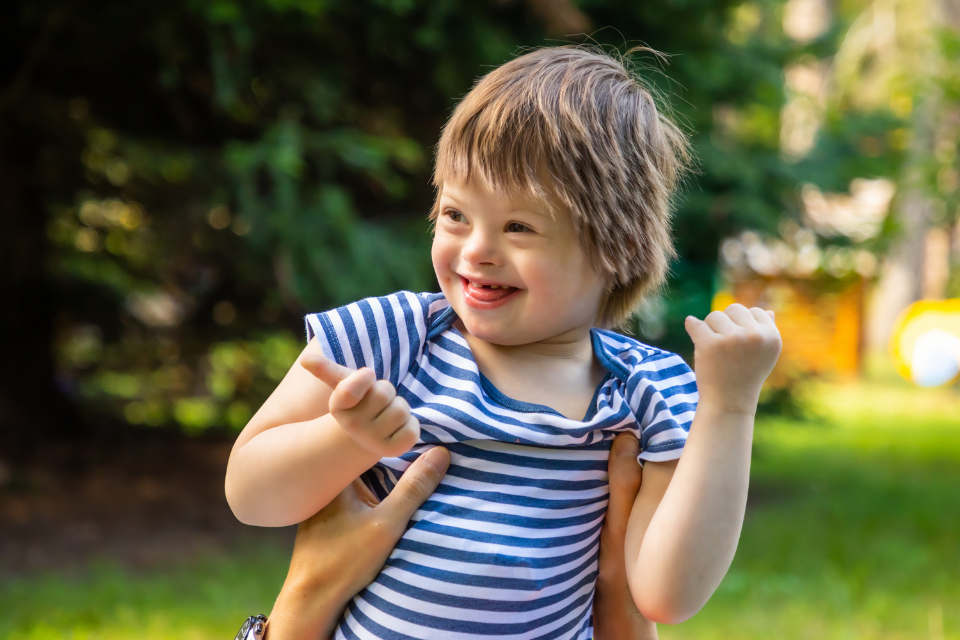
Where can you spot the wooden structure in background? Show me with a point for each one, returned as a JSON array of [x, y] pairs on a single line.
[[822, 330]]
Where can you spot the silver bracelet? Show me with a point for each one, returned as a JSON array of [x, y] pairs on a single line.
[[252, 628]]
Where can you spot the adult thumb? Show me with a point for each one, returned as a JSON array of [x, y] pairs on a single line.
[[626, 475], [417, 484]]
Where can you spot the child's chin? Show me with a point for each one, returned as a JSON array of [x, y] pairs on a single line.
[[494, 335]]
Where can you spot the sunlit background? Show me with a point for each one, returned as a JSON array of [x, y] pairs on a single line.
[[182, 181]]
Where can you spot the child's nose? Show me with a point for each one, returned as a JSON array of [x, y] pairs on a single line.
[[480, 248]]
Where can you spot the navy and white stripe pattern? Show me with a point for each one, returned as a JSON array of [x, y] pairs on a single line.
[[507, 546]]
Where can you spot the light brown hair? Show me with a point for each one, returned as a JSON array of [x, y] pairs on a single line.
[[573, 125]]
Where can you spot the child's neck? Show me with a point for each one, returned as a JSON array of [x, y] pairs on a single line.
[[575, 344], [560, 372]]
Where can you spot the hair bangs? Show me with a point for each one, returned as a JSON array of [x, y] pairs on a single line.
[[501, 146]]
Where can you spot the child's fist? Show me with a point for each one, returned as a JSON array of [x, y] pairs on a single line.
[[369, 410], [734, 352]]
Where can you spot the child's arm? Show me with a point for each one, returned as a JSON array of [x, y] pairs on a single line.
[[321, 428], [686, 522]]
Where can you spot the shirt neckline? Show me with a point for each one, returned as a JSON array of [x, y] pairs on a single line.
[[531, 407], [448, 316]]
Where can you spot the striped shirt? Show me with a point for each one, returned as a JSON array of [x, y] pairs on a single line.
[[507, 546]]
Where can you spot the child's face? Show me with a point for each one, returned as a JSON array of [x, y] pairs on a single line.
[[546, 288]]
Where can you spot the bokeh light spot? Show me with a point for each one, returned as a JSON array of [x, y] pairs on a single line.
[[224, 312]]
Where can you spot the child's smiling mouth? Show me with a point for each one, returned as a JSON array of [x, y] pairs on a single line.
[[489, 295]]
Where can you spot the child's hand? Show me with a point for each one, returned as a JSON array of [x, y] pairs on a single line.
[[369, 410], [734, 352]]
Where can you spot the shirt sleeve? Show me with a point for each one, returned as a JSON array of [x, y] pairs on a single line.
[[385, 334], [662, 392]]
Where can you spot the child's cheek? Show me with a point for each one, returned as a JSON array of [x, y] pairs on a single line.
[[547, 284], [439, 254]]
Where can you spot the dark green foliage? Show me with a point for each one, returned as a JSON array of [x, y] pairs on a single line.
[[209, 171]]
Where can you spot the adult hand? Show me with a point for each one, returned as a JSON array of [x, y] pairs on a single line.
[[342, 548], [615, 616]]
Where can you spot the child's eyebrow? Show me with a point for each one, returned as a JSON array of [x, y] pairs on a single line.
[[452, 198]]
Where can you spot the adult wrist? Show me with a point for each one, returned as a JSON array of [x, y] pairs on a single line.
[[615, 615], [306, 609], [612, 596]]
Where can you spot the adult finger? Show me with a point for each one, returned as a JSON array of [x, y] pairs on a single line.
[[416, 485], [325, 369], [625, 477], [352, 389]]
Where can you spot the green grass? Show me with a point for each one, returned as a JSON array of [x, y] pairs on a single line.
[[854, 526], [853, 532], [199, 600]]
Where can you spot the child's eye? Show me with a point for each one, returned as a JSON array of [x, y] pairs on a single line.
[[454, 215], [516, 227]]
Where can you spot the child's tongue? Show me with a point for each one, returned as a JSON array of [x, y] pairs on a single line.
[[486, 294]]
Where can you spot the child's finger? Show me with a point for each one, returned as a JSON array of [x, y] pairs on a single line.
[[721, 322], [400, 441], [351, 391], [740, 316], [698, 329], [325, 369], [763, 316], [392, 417]]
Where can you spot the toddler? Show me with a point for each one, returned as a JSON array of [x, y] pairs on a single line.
[[554, 177]]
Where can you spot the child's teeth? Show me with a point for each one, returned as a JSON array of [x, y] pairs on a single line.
[[490, 286]]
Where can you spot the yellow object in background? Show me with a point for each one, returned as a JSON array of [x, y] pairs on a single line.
[[925, 343], [721, 300], [820, 326]]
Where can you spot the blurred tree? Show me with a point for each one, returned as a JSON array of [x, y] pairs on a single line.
[[182, 180], [888, 101]]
